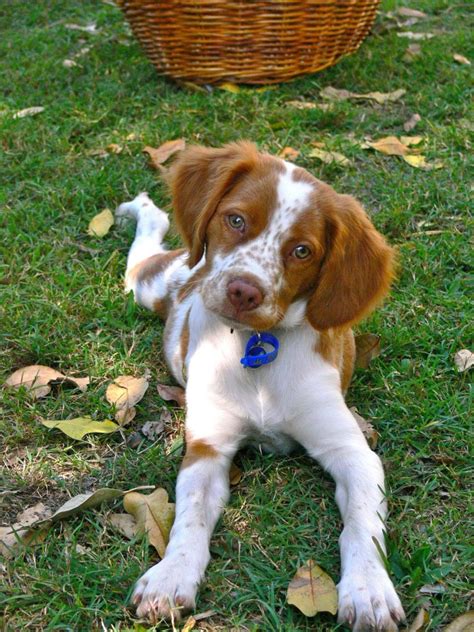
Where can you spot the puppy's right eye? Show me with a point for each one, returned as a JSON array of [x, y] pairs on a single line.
[[236, 222]]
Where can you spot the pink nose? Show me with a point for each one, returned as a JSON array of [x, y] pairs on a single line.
[[243, 295]]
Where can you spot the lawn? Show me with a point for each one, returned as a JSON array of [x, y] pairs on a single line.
[[62, 305]]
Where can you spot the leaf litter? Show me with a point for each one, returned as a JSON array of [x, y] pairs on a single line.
[[101, 223], [312, 590], [124, 392], [37, 379], [78, 427], [154, 516], [335, 94]]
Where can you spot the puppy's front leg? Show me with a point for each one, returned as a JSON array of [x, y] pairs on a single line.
[[201, 493], [367, 598]]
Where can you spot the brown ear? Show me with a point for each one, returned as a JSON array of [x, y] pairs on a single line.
[[357, 269], [199, 179]]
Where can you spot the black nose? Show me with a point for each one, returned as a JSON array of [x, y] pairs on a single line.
[[244, 295]]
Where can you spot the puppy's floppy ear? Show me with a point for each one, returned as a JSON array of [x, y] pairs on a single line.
[[357, 269], [199, 179]]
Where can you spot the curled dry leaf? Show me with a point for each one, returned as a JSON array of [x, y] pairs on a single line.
[[37, 380], [124, 392], [28, 112], [101, 223], [312, 590], [464, 623], [154, 516], [464, 360], [460, 59], [417, 37], [329, 157], [367, 348], [124, 523], [235, 474], [23, 532], [420, 622], [79, 503], [172, 394], [161, 154], [334, 94], [367, 428], [78, 427], [288, 153], [412, 122]]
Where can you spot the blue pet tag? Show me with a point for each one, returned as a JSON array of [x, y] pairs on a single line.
[[256, 353]]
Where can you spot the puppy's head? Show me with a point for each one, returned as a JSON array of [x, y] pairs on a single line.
[[279, 244]]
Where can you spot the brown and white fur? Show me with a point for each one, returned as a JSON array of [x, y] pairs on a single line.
[[268, 248]]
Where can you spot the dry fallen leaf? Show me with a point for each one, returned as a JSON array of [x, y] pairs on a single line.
[[154, 516], [78, 427], [124, 523], [79, 503], [390, 145], [329, 157], [312, 590], [113, 148], [37, 378], [235, 474], [409, 141], [101, 223], [432, 589], [189, 625], [69, 63], [461, 59], [411, 123], [172, 394], [412, 52], [419, 162], [334, 94], [308, 105], [367, 348], [229, 87], [22, 532], [153, 429], [288, 153], [28, 112], [464, 360], [417, 37], [411, 13], [367, 428], [161, 154], [420, 622], [464, 623], [124, 392]]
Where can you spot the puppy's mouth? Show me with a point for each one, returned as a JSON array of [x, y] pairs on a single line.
[[248, 320]]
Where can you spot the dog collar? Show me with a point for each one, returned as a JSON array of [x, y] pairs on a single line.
[[256, 351]]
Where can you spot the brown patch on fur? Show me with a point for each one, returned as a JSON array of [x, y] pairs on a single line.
[[357, 267], [196, 450], [338, 348], [161, 307], [184, 339], [192, 283], [149, 268]]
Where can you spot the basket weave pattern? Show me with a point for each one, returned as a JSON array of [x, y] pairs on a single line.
[[249, 41]]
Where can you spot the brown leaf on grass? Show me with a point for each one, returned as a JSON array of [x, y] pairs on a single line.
[[78, 427], [28, 112], [309, 105], [417, 37], [101, 223], [235, 474], [288, 153], [410, 141], [367, 428], [412, 122], [460, 59], [312, 590], [367, 348], [172, 394], [411, 13], [390, 145], [420, 622], [37, 380], [22, 533], [464, 360], [329, 157], [154, 516], [464, 623], [153, 429], [161, 154], [124, 392], [412, 52], [124, 523], [334, 94], [81, 502]]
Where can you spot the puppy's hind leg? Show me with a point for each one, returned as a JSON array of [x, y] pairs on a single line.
[[150, 266]]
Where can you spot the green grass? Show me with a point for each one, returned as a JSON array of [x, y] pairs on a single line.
[[62, 305]]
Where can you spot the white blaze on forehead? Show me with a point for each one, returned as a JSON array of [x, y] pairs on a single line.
[[292, 195]]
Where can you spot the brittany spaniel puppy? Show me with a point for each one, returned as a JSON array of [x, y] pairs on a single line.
[[258, 309]]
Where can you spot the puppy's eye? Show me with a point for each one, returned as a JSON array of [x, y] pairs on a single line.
[[236, 221], [301, 252]]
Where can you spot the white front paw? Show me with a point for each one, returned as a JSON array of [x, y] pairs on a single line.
[[169, 586], [368, 601]]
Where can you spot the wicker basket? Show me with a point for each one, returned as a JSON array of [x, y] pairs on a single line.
[[247, 41]]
